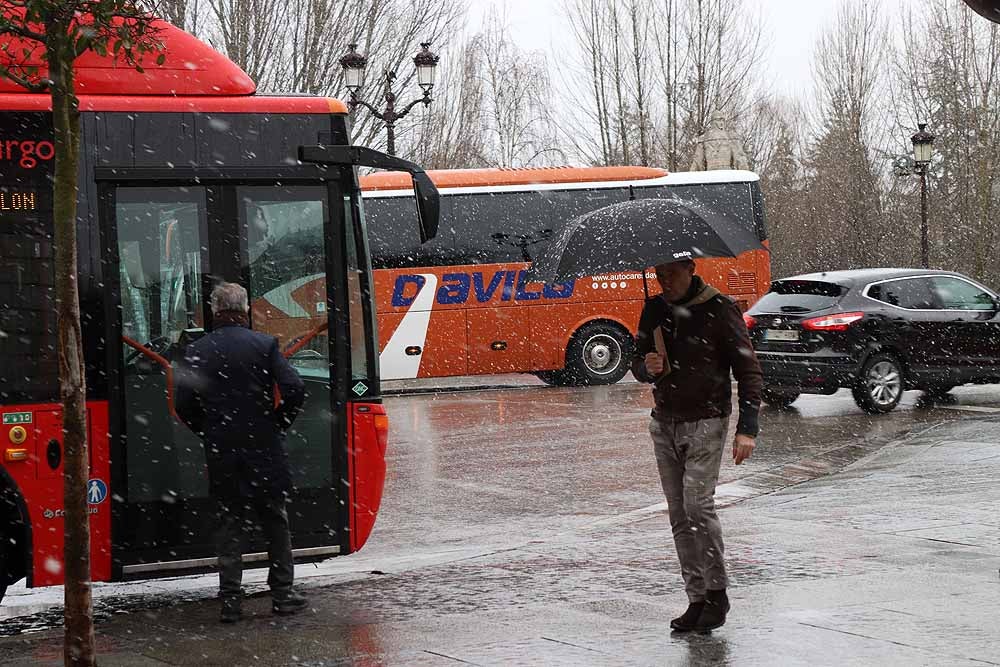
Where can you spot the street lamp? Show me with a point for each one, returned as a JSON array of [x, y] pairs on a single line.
[[354, 65], [923, 152]]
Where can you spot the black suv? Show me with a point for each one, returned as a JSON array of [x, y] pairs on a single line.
[[877, 332]]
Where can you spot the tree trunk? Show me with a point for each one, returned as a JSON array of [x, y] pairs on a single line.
[[79, 621]]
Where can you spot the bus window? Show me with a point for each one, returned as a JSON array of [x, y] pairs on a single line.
[[28, 332], [395, 238], [356, 296], [160, 249], [500, 227], [286, 270], [730, 199]]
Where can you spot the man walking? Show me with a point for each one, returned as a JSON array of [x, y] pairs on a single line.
[[690, 338], [225, 392]]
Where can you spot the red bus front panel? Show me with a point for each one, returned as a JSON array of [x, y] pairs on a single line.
[[40, 482]]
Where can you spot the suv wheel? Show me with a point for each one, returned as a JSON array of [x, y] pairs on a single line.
[[598, 354], [880, 387], [779, 398]]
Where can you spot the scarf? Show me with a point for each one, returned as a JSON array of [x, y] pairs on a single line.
[[700, 292]]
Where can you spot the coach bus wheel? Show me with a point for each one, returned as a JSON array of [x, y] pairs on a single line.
[[599, 353], [552, 378]]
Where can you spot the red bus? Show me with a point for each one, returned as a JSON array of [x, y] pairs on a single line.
[[460, 305], [187, 177]]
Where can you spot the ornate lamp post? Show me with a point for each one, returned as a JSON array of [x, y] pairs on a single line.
[[354, 65], [923, 152]]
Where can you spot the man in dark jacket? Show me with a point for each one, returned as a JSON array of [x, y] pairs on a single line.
[[690, 339], [225, 392]]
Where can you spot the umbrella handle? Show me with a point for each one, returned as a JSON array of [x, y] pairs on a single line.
[[661, 349]]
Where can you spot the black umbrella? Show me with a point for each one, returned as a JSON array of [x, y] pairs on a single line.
[[634, 235]]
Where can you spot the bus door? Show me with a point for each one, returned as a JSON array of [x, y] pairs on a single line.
[[167, 244]]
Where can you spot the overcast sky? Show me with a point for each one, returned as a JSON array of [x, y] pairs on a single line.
[[792, 24]]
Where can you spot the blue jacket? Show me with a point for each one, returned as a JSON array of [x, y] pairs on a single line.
[[224, 392]]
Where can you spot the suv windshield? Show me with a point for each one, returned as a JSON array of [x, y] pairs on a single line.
[[800, 296]]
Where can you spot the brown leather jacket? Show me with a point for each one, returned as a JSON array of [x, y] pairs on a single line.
[[706, 339]]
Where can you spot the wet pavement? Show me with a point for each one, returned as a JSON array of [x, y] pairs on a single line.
[[525, 525]]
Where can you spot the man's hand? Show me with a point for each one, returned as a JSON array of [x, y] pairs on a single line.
[[654, 364], [742, 448]]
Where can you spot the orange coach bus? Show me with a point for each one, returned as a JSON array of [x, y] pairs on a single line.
[[460, 305]]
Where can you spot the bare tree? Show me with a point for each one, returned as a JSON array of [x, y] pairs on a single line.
[[390, 35], [451, 133], [708, 55], [783, 183], [949, 77], [492, 106], [253, 34], [844, 189], [516, 88], [182, 13]]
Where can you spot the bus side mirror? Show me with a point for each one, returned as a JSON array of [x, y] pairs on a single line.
[[428, 205], [428, 199]]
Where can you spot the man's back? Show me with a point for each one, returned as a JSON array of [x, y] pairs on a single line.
[[226, 392], [236, 385]]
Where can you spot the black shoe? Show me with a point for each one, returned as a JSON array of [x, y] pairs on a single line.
[[714, 614], [231, 611], [687, 621], [289, 604]]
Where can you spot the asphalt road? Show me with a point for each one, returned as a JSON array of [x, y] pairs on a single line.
[[478, 472]]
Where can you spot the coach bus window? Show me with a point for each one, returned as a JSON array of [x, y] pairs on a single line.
[[286, 257], [393, 232], [515, 226], [161, 251], [730, 199]]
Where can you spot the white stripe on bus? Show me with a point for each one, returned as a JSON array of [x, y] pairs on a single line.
[[281, 296], [394, 363]]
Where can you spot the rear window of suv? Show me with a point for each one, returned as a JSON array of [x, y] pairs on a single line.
[[800, 296]]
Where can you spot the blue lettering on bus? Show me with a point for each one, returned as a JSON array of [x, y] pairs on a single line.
[[522, 289], [508, 286], [399, 297], [456, 288], [485, 294]]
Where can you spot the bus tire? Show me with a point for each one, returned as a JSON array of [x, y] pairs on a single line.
[[13, 566], [599, 353], [552, 378]]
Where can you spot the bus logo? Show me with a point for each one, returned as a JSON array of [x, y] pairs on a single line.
[[97, 491], [459, 288], [360, 388], [17, 418]]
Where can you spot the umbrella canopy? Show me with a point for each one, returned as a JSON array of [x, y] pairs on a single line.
[[634, 235]]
